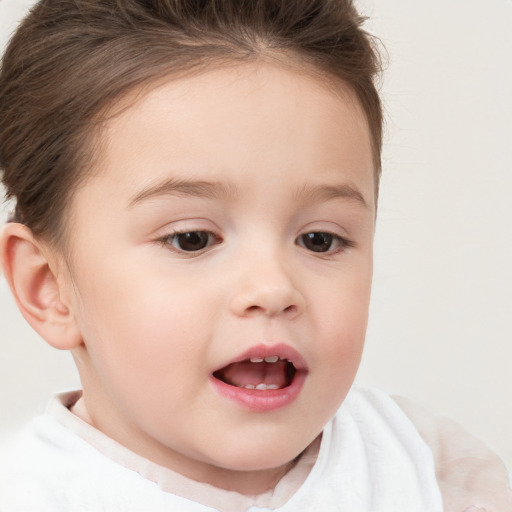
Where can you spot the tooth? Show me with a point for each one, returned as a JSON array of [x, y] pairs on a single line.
[[261, 386], [256, 360], [272, 386], [250, 386], [271, 359]]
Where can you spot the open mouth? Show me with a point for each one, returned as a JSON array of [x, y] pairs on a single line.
[[258, 373]]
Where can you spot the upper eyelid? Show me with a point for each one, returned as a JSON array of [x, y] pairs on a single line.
[[167, 231], [165, 239], [338, 233], [177, 232], [343, 239], [327, 226], [186, 226]]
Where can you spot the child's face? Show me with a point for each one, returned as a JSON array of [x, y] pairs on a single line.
[[230, 217]]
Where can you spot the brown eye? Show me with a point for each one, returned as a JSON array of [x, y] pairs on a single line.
[[191, 240], [319, 241]]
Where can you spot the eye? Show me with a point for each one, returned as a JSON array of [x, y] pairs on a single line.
[[190, 241], [319, 241]]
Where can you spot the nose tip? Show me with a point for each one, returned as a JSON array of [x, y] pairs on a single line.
[[268, 294]]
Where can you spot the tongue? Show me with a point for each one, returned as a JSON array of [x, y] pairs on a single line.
[[246, 373]]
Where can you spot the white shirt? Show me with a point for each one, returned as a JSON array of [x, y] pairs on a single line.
[[371, 457]]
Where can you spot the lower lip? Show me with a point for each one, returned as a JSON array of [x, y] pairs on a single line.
[[261, 400]]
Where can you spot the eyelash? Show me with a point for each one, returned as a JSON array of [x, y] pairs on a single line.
[[343, 243], [168, 241], [213, 239]]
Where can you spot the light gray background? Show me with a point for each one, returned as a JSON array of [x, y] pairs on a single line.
[[441, 318]]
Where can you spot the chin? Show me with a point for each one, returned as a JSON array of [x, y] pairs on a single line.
[[261, 456]]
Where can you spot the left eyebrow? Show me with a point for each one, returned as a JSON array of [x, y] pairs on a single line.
[[321, 193], [184, 187]]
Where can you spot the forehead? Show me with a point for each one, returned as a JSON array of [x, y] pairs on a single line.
[[232, 122]]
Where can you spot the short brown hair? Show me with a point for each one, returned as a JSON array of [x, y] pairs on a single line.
[[70, 59]]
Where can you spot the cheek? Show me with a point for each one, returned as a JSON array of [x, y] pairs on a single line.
[[343, 316], [138, 327], [341, 321]]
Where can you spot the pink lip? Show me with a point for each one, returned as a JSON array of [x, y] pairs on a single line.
[[270, 399]]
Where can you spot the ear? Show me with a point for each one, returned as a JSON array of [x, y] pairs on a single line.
[[37, 288]]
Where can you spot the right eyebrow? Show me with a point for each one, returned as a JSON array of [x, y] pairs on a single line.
[[184, 187]]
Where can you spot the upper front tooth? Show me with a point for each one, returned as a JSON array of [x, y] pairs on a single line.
[[256, 359], [272, 359]]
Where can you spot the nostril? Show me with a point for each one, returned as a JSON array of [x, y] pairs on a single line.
[[270, 310], [267, 301]]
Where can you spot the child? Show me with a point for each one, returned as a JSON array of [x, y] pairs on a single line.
[[196, 186]]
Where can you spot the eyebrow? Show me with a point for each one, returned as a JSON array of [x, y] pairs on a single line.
[[321, 193], [216, 190], [184, 187]]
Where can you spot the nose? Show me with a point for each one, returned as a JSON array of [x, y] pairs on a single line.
[[267, 288]]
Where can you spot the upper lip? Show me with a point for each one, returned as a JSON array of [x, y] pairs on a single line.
[[261, 351]]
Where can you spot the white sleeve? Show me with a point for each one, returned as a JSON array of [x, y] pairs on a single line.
[[468, 472]]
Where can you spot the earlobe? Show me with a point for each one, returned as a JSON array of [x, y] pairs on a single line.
[[36, 287]]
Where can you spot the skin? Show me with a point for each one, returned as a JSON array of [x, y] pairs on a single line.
[[154, 321]]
